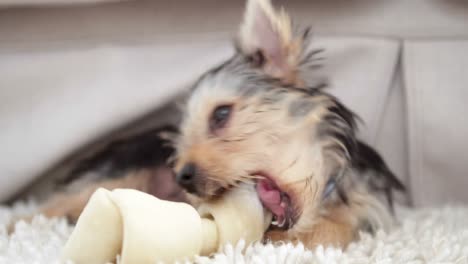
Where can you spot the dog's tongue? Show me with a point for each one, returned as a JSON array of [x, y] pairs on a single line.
[[270, 196]]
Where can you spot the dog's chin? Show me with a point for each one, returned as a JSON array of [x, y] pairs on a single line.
[[207, 195]]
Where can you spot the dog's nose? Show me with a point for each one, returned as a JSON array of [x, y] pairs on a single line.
[[186, 176]]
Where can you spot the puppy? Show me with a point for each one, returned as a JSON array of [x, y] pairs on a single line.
[[263, 117]]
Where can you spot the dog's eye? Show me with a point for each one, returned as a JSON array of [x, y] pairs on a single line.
[[257, 59], [220, 116]]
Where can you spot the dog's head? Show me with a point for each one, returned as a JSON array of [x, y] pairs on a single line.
[[259, 118]]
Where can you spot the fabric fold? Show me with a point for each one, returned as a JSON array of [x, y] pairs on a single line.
[[436, 80]]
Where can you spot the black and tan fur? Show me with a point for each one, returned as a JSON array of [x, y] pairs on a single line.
[[280, 121]]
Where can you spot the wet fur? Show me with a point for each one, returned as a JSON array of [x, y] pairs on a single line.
[[284, 123]]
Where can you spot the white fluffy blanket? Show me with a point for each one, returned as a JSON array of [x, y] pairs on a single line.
[[424, 236]]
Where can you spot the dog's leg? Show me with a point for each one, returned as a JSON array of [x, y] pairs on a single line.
[[67, 205], [158, 182], [329, 232], [70, 204]]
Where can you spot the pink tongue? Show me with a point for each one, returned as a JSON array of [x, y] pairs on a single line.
[[270, 197]]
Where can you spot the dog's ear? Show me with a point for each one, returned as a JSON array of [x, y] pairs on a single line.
[[266, 37]]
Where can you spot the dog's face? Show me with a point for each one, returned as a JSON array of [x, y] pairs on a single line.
[[255, 119]]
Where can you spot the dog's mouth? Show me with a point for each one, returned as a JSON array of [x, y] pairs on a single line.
[[276, 201]]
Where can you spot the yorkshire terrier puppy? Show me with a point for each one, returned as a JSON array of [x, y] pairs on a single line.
[[259, 117]]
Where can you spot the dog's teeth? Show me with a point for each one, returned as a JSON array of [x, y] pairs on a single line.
[[283, 222], [274, 220]]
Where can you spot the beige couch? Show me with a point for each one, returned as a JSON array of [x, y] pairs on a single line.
[[71, 73]]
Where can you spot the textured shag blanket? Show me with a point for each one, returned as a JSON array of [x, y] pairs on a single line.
[[423, 236]]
